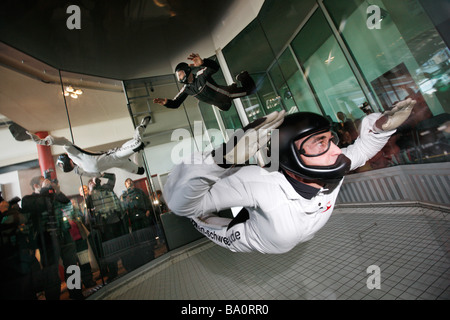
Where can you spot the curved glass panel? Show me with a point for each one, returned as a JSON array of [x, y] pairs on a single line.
[[402, 58]]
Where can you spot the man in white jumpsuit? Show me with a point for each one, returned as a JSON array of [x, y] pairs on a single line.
[[93, 164], [284, 208]]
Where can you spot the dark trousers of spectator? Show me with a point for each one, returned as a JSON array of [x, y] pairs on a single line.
[[49, 277], [85, 268], [106, 233]]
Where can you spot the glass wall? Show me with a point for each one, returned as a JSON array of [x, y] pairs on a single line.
[[335, 86], [118, 207], [58, 239], [256, 48], [327, 69], [230, 118], [240, 55], [334, 60], [299, 96], [405, 57]]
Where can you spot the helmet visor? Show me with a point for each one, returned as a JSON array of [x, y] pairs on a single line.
[[64, 163], [181, 75], [318, 144]]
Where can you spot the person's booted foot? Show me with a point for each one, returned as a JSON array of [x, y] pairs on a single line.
[[139, 131], [145, 121], [242, 76], [247, 82]]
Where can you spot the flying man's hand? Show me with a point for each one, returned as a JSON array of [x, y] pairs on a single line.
[[394, 118], [160, 101], [195, 57]]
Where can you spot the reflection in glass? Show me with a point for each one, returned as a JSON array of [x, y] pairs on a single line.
[[296, 94], [268, 96], [240, 55], [282, 94], [404, 58], [56, 223], [327, 69], [230, 118]]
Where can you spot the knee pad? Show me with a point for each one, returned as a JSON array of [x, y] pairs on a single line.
[[141, 170]]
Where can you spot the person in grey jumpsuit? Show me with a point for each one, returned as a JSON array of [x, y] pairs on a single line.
[[93, 164], [283, 208]]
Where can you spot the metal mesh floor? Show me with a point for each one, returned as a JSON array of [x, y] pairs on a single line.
[[408, 243]]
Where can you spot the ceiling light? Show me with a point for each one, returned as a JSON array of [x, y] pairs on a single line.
[[73, 92], [330, 59]]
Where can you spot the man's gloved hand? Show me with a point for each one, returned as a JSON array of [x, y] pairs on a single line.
[[395, 117], [245, 142], [197, 61]]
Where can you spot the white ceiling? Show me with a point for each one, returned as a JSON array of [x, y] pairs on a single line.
[[38, 103]]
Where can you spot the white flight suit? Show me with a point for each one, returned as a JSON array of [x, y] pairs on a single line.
[[92, 164], [279, 218]]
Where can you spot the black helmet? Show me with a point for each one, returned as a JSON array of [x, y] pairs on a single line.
[[63, 162], [183, 66], [299, 125]]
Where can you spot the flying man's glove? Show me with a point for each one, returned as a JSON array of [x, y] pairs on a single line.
[[246, 142], [394, 118]]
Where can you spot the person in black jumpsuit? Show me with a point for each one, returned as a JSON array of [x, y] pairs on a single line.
[[201, 85]]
